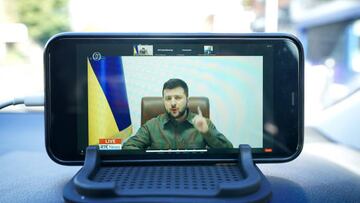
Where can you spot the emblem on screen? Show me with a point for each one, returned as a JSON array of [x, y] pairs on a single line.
[[96, 56]]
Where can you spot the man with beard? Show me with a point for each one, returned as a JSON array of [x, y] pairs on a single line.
[[178, 128]]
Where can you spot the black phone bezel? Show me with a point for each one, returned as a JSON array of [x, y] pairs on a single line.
[[62, 148]]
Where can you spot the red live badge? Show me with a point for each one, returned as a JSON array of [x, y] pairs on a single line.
[[110, 141]]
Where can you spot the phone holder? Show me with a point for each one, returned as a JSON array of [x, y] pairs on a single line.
[[99, 182]]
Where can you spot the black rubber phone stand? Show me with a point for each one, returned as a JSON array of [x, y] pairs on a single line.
[[97, 182]]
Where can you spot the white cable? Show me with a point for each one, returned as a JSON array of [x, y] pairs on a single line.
[[35, 100]]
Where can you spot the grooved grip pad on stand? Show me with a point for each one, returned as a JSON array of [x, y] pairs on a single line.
[[233, 182]]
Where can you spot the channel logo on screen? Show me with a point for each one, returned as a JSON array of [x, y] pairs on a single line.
[[110, 144]]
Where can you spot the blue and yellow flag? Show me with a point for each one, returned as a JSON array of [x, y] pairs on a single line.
[[108, 107]]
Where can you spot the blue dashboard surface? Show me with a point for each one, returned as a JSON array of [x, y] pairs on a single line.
[[324, 171]]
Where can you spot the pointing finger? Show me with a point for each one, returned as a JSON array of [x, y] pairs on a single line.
[[199, 111]]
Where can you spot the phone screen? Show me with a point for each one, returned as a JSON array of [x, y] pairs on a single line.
[[196, 98], [236, 83]]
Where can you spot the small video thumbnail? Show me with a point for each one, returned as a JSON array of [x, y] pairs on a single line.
[[208, 49], [143, 50]]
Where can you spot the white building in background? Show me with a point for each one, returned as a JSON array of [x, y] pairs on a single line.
[[11, 33]]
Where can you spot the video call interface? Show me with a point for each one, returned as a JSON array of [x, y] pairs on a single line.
[[232, 82]]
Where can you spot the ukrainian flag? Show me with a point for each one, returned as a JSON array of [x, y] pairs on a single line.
[[108, 107]]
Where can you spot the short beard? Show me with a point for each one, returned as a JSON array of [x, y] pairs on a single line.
[[181, 113]]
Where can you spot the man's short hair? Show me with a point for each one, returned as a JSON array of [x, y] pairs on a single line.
[[174, 83]]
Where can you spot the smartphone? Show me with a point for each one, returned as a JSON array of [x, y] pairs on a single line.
[[117, 91]]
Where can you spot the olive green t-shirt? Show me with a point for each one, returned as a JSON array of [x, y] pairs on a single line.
[[164, 133]]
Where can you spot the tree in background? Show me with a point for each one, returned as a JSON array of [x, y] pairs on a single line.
[[44, 18]]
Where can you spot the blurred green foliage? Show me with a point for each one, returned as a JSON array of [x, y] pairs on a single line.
[[44, 18]]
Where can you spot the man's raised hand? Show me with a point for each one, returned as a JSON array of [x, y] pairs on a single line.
[[200, 123]]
